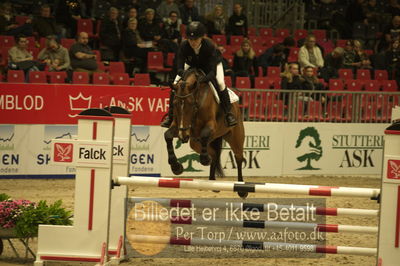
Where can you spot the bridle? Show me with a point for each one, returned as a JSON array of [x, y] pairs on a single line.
[[193, 94]]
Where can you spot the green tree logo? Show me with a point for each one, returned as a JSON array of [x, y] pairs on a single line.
[[310, 137], [189, 158]]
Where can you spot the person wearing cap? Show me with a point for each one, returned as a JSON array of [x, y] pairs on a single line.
[[200, 52]]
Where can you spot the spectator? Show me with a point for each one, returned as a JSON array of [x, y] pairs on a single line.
[[362, 56], [189, 12], [291, 79], [355, 13], [225, 64], [372, 12], [245, 61], [311, 83], [110, 36], [19, 58], [165, 8], [82, 57], [392, 56], [100, 9], [170, 34], [216, 21], [133, 47], [310, 54], [238, 21], [8, 25], [273, 56], [350, 58], [45, 24], [332, 63], [54, 55], [391, 33], [132, 13], [149, 29], [67, 13], [394, 7]]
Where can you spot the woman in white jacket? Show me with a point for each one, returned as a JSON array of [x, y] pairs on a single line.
[[310, 54]]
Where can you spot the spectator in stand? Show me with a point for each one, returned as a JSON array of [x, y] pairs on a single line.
[[171, 36], [133, 47], [291, 79], [165, 8], [149, 28], [351, 59], [8, 25], [45, 24], [238, 21], [83, 59], [132, 13], [311, 83], [310, 54], [355, 12], [392, 56], [100, 9], [19, 58], [332, 63], [54, 55], [189, 12], [362, 56], [390, 33], [110, 35], [216, 21], [225, 64], [273, 56], [373, 12], [245, 62], [394, 7], [67, 13]]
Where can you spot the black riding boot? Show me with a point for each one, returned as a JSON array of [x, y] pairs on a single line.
[[226, 106], [169, 118]]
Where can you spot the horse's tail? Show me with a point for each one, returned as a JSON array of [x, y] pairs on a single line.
[[217, 146]]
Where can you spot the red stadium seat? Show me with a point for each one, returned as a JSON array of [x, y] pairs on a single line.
[[116, 67], [101, 78], [15, 76], [381, 74], [120, 79], [271, 41], [300, 34], [336, 85], [85, 25], [142, 79], [229, 58], [67, 43], [243, 83], [282, 33], [363, 74], [80, 78], [251, 31], [353, 85], [389, 85], [21, 19], [219, 39], [170, 59], [345, 73], [57, 77], [293, 54], [155, 62], [341, 43], [372, 85], [257, 40], [320, 35], [273, 72], [262, 83], [37, 77], [265, 32], [6, 41], [236, 40], [228, 81]]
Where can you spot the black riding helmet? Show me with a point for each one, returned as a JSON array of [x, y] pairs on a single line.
[[195, 30]]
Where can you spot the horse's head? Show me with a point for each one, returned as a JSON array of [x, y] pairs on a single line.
[[185, 104]]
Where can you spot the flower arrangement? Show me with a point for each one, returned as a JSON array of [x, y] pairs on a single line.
[[24, 216]]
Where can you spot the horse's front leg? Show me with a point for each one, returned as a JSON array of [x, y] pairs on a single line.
[[176, 167], [205, 138]]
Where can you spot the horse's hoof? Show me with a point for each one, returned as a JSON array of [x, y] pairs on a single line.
[[216, 191], [177, 168], [205, 159], [243, 194]]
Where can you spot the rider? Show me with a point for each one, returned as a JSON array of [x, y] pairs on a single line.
[[200, 52]]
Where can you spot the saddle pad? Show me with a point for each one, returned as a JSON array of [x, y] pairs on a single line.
[[232, 96]]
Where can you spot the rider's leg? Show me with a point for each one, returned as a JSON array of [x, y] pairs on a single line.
[[224, 97]]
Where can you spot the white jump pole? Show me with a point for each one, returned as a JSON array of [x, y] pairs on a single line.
[[248, 187], [261, 224], [241, 244], [389, 227], [268, 207]]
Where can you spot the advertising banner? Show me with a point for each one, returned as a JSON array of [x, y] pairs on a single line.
[[333, 149], [61, 103]]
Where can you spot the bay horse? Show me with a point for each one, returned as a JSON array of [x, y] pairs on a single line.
[[198, 117]]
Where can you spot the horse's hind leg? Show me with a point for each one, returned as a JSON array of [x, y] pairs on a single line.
[[176, 167]]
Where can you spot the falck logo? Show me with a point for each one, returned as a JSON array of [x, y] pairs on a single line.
[[79, 103], [393, 169], [63, 152]]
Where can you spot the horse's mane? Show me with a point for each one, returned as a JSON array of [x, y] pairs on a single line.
[[190, 71]]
